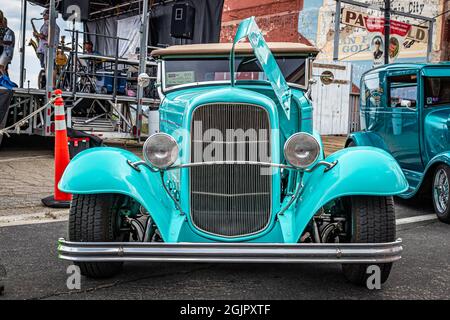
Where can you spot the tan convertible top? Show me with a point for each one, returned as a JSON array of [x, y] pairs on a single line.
[[224, 49]]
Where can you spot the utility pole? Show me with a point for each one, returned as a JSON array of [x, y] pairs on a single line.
[[387, 29], [50, 63], [337, 27]]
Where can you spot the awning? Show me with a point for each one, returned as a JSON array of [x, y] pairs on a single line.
[[241, 48]]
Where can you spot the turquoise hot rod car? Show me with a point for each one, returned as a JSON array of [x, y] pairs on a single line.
[[236, 174], [405, 110]]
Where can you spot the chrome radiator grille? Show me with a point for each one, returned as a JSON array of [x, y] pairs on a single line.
[[230, 200]]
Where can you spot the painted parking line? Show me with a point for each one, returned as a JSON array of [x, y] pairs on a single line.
[[408, 220], [63, 215], [36, 218], [25, 158]]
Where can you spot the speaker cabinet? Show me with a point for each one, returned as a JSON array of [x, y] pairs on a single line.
[[183, 19], [78, 9]]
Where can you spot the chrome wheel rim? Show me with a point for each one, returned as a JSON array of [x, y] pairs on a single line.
[[441, 190]]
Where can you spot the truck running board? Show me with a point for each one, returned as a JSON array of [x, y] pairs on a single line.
[[230, 252]]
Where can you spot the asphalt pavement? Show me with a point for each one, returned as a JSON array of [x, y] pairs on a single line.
[[28, 253]]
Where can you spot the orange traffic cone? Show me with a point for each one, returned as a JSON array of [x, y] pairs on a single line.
[[62, 158]]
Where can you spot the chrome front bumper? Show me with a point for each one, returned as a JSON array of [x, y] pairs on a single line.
[[231, 252]]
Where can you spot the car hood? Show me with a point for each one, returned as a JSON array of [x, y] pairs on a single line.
[[179, 105], [219, 94]]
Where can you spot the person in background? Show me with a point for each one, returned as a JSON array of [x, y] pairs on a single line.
[[89, 48], [42, 50], [2, 34], [2, 31], [8, 42]]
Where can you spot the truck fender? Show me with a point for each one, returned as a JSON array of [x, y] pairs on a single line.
[[359, 171], [441, 158]]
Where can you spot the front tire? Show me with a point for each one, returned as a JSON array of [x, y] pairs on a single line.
[[95, 218], [373, 221], [440, 193]]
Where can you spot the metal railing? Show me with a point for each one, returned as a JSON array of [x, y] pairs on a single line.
[[76, 70]]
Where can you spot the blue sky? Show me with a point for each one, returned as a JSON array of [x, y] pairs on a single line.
[[12, 10]]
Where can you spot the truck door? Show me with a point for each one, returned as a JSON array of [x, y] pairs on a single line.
[[402, 119]]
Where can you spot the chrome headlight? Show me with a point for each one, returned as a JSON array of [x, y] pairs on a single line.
[[301, 150], [161, 150]]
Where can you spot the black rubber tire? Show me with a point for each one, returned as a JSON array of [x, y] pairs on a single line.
[[442, 216], [351, 144], [42, 82], [373, 221], [92, 218]]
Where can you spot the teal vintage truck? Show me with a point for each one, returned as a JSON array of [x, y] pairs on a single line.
[[405, 110], [237, 173]]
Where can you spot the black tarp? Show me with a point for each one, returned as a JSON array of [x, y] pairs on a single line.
[[5, 100], [208, 16]]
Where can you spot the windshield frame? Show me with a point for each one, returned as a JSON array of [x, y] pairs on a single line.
[[162, 72]]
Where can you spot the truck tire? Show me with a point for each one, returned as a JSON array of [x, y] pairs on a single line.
[[373, 221], [440, 192], [93, 218]]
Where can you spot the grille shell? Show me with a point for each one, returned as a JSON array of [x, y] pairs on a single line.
[[230, 200]]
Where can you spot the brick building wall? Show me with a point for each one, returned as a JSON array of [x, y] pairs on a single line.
[[278, 19]]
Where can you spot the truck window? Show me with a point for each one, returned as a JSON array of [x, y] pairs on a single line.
[[437, 91], [403, 91], [371, 92]]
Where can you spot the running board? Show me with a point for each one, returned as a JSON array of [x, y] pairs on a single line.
[[230, 252]]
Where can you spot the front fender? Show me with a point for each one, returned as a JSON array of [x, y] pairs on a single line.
[[105, 170], [359, 171]]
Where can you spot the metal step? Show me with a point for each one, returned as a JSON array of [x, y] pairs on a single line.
[[92, 124]]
